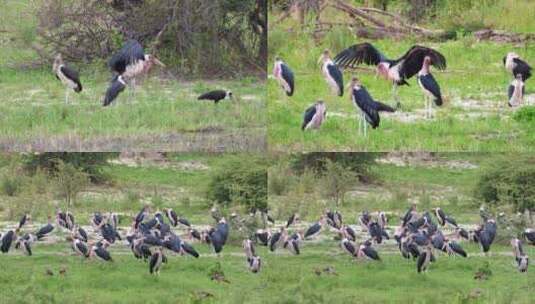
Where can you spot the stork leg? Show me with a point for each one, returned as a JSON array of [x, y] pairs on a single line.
[[360, 123], [365, 125], [395, 95], [67, 96]]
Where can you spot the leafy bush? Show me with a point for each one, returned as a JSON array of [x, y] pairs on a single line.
[[69, 181], [11, 184], [93, 164], [242, 181], [337, 180], [509, 181]]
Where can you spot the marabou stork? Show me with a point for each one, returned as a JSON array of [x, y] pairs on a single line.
[[368, 252], [67, 75], [348, 247], [23, 220], [453, 248], [382, 219], [80, 248], [368, 107], [187, 248], [255, 263], [216, 95], [315, 229], [515, 65], [429, 86], [248, 248], [347, 232], [522, 260], [516, 90], [529, 235], [409, 216], [314, 116], [444, 219], [45, 230], [364, 220], [7, 240], [292, 219], [424, 259], [131, 61], [332, 73], [284, 75], [263, 237], [277, 238], [99, 250], [117, 85], [292, 244], [397, 71], [156, 261]]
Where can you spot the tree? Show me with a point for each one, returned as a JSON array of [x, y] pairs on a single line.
[[509, 182], [241, 181], [69, 181], [337, 180]]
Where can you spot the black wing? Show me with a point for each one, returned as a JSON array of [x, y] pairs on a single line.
[[359, 53], [312, 230], [370, 107], [521, 67], [131, 52], [414, 59], [115, 88], [73, 75], [338, 77], [288, 76], [189, 249], [421, 260], [153, 261], [309, 114], [431, 85]]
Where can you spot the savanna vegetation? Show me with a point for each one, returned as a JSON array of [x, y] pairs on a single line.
[[459, 183], [163, 113], [475, 116]]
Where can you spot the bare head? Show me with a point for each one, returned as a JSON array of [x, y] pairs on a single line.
[[230, 95], [278, 58], [58, 59], [325, 55], [382, 70], [512, 55], [427, 60], [519, 77]]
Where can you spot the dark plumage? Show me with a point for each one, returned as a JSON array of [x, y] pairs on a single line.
[[7, 240], [367, 105], [314, 116], [117, 85], [216, 95], [285, 76]]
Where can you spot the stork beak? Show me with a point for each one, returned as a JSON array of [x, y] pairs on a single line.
[[158, 62]]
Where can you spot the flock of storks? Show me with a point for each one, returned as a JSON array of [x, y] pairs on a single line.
[[415, 62], [129, 63], [418, 237]]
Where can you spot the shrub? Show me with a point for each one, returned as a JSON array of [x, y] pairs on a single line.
[[11, 185], [336, 181], [525, 114], [69, 181], [242, 181]]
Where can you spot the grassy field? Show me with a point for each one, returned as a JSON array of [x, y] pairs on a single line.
[[475, 116], [284, 278], [164, 113]]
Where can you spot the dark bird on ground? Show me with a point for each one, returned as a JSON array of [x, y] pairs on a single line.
[[216, 95], [187, 248], [429, 86], [462, 233], [515, 92], [117, 85], [67, 75], [331, 73], [292, 245], [367, 106], [347, 232], [248, 248], [364, 220], [515, 65], [382, 219], [409, 216], [314, 116], [398, 70], [284, 75]]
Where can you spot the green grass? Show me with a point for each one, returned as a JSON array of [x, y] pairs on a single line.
[[283, 279], [164, 113], [475, 116]]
